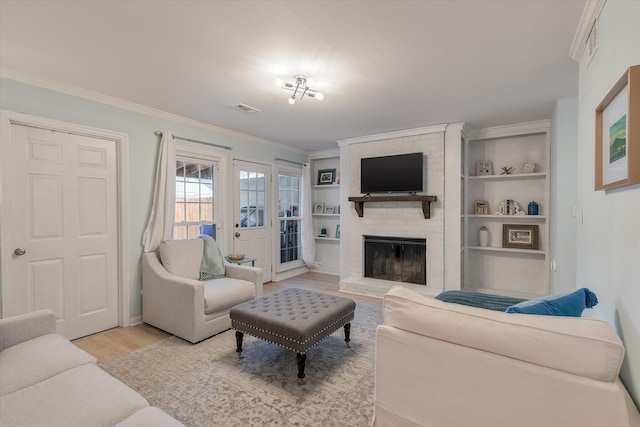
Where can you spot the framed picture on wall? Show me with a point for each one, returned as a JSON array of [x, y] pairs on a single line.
[[617, 129]]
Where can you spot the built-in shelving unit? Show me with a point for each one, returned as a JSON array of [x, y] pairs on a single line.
[[328, 195], [493, 268], [494, 249], [513, 176], [524, 218], [326, 187]]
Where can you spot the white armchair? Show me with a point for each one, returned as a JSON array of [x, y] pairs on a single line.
[[176, 301]]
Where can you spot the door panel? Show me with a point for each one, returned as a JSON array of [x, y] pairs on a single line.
[[92, 195], [63, 212], [46, 285], [252, 219], [93, 284], [45, 198]]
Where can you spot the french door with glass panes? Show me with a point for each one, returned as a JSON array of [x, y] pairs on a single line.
[[251, 216], [289, 216]]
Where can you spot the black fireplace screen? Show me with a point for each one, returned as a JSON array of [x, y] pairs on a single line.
[[397, 259]]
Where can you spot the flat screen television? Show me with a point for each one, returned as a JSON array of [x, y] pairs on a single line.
[[391, 174]]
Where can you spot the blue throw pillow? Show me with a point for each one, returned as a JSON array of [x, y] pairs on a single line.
[[570, 304]]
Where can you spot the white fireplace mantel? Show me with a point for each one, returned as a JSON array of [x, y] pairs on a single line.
[[442, 147], [359, 202]]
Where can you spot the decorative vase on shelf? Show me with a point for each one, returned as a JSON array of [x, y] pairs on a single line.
[[483, 234]]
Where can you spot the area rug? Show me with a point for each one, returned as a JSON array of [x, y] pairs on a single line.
[[206, 384]]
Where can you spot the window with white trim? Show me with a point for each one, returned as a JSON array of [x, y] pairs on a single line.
[[194, 198]]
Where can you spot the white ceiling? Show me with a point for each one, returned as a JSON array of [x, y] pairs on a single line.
[[383, 65]]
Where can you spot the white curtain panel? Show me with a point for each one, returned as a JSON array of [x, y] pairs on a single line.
[[308, 242], [160, 225]]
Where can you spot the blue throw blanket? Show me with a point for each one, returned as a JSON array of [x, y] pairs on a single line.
[[475, 299], [568, 304], [212, 264]]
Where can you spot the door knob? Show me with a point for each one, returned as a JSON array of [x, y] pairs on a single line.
[[19, 251], [237, 234]]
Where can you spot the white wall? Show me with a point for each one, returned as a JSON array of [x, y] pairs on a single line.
[[563, 194], [608, 243], [143, 147]]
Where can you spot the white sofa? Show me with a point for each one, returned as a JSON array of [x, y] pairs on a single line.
[[444, 364], [176, 301], [45, 380]]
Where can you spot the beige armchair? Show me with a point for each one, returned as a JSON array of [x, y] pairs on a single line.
[[176, 301]]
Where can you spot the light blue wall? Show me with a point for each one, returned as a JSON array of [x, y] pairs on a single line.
[[608, 245], [563, 193], [143, 146]]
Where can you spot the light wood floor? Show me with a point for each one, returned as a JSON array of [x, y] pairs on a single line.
[[116, 342]]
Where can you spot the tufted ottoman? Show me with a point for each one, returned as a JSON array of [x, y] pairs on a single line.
[[295, 319]]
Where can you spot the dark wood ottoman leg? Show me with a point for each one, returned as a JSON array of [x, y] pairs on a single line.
[[347, 330], [301, 358], [239, 336]]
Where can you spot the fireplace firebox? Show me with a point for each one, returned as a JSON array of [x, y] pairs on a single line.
[[397, 259]]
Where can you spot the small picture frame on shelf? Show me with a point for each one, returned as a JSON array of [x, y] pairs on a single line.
[[338, 231], [329, 210], [326, 176], [319, 208], [484, 167], [481, 207], [519, 236]]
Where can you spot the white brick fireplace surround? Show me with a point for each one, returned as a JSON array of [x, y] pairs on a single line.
[[403, 219]]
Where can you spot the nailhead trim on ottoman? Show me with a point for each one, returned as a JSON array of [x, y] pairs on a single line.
[[295, 319]]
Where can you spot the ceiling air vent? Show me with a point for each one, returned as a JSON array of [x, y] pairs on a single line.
[[245, 109]]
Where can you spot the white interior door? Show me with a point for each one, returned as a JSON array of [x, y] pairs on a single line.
[[60, 231], [252, 213]]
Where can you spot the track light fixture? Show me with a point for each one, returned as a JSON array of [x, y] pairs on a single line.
[[301, 85]]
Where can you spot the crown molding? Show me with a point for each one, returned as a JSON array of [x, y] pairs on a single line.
[[590, 14], [325, 154], [539, 126], [393, 134], [138, 108], [458, 127]]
